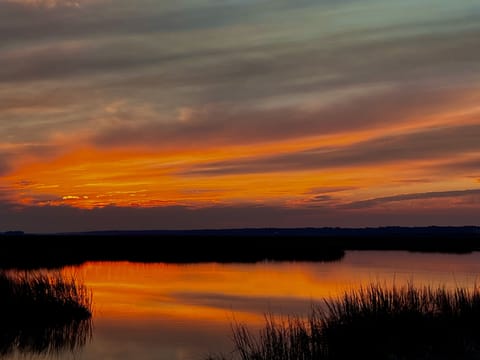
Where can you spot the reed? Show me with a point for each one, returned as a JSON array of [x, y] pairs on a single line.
[[374, 322], [27, 295], [43, 313]]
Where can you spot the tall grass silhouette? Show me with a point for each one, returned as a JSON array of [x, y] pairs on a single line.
[[373, 322], [43, 313]]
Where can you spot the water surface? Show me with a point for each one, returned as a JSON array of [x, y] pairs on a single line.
[[184, 312]]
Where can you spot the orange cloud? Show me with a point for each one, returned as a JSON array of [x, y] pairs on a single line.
[[88, 177]]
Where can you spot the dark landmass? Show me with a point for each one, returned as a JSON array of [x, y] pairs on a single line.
[[19, 250]]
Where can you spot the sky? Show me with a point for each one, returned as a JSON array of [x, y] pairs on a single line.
[[151, 114]]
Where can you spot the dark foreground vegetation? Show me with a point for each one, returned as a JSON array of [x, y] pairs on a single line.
[[43, 313], [374, 322], [18, 250]]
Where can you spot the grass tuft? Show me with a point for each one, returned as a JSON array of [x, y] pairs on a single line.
[[28, 295], [43, 313], [374, 322]]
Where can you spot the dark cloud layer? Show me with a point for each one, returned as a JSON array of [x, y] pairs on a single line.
[[460, 166], [423, 145], [222, 125], [4, 167], [101, 18], [103, 39], [58, 219], [405, 197], [329, 189]]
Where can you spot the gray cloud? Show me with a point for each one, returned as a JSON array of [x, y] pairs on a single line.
[[35, 102], [4, 166], [322, 198], [211, 52], [470, 166], [329, 189], [123, 17], [416, 196], [110, 46], [413, 181], [104, 18], [272, 68], [226, 125], [44, 151], [63, 218], [420, 145]]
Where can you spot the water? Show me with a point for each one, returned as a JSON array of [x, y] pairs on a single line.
[[184, 312]]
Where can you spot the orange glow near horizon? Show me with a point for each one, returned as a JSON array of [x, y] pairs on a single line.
[[89, 177]]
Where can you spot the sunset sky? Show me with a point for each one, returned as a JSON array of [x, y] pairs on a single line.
[[154, 114]]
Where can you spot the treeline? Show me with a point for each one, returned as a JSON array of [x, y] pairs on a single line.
[[243, 245]]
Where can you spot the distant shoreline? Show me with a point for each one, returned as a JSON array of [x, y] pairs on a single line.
[[19, 250]]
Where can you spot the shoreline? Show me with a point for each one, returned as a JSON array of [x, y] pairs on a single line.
[[19, 250]]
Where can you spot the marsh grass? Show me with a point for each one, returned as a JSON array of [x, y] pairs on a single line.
[[27, 295], [43, 313], [374, 322]]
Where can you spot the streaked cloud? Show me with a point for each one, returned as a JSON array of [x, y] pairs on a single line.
[[65, 218], [419, 196], [4, 167], [329, 189], [346, 113], [47, 3], [468, 165], [427, 144]]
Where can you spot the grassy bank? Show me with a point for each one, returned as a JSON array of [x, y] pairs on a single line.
[[374, 322], [42, 313]]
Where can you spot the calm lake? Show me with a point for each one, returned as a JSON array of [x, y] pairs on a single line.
[[178, 311]]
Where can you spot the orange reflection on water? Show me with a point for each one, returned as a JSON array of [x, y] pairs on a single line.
[[200, 293], [220, 293], [208, 292]]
